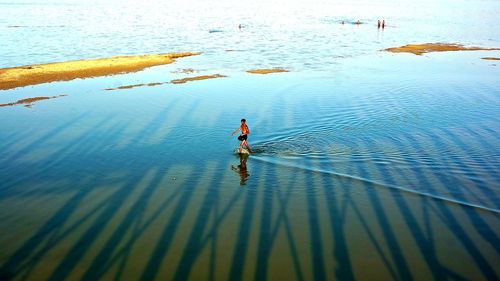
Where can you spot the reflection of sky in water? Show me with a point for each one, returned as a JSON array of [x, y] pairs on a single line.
[[297, 34]]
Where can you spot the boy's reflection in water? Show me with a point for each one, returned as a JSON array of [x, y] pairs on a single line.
[[241, 169]]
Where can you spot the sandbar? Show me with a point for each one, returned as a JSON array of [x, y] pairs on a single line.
[[64, 71], [490, 58], [203, 77], [266, 70], [176, 81], [136, 85], [29, 101], [419, 49]]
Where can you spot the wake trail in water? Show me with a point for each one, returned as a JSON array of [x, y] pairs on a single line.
[[374, 183]]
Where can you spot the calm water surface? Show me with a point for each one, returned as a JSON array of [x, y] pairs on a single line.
[[367, 166]]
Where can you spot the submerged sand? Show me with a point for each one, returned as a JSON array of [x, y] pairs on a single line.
[[419, 49], [30, 101], [195, 78], [64, 71], [266, 70], [175, 81], [490, 58], [136, 85]]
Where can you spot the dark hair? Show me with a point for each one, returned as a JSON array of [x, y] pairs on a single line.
[[243, 120]]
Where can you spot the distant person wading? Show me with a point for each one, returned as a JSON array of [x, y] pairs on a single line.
[[379, 24]]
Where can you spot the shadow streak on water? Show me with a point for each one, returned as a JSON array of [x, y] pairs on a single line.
[[52, 233], [8, 159], [241, 247], [374, 183], [460, 233], [193, 246], [56, 228], [427, 247], [134, 221]]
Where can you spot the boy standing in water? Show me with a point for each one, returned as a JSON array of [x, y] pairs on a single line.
[[244, 135]]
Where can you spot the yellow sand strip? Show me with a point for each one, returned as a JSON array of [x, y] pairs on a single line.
[[176, 81], [136, 85], [419, 49], [490, 58], [29, 101], [63, 71], [266, 71], [203, 77]]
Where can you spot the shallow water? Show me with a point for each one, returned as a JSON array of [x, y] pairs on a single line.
[[366, 163]]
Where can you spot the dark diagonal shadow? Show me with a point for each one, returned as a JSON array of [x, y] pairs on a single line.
[[458, 230], [47, 237], [80, 146], [5, 187], [43, 139], [241, 247], [337, 215], [265, 244], [194, 245], [106, 257], [460, 145], [425, 242], [404, 272], [283, 218], [318, 261], [82, 245], [26, 258], [166, 237]]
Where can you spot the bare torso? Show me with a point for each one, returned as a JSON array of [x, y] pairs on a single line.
[[244, 129]]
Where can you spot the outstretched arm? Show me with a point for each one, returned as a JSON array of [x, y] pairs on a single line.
[[239, 129]]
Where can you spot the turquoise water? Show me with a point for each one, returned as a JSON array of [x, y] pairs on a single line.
[[367, 166]]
